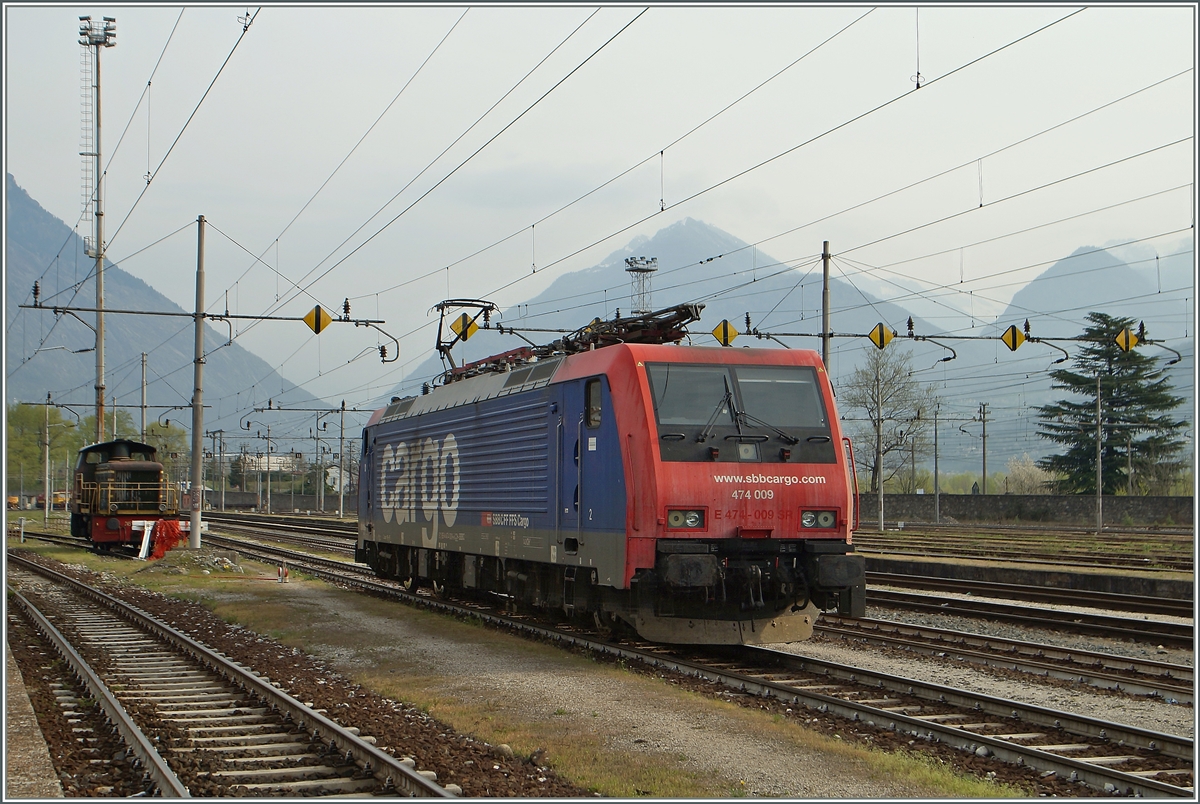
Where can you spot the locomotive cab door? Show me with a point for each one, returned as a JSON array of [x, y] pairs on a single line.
[[588, 466], [568, 437]]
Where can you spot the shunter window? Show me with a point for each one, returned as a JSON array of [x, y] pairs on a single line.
[[592, 392]]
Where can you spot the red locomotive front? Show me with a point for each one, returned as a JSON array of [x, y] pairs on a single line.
[[741, 508]]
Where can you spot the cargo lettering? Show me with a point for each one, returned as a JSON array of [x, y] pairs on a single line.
[[419, 481]]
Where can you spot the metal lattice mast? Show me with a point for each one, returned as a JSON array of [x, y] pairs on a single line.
[[95, 35], [640, 270]]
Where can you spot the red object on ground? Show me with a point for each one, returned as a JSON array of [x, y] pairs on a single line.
[[166, 536]]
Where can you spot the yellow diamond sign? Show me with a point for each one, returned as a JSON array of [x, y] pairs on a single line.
[[725, 332], [464, 327], [1013, 338], [317, 319], [881, 336], [1125, 340]]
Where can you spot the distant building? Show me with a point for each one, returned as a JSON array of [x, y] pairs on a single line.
[[277, 463]]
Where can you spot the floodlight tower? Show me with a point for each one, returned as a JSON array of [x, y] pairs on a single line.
[[93, 36], [640, 270]]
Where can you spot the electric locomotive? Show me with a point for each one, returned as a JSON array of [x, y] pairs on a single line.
[[693, 494], [121, 491]]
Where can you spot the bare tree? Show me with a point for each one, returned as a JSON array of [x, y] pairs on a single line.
[[888, 413], [1026, 477]]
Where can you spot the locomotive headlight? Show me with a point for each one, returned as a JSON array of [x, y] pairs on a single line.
[[685, 519], [818, 519]]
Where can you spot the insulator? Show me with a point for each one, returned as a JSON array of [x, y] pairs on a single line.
[[383, 351], [748, 327], [910, 326], [487, 319], [1026, 326], [346, 309], [424, 389], [1141, 330], [37, 292]]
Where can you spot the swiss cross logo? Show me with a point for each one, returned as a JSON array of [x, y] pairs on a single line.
[[486, 519]]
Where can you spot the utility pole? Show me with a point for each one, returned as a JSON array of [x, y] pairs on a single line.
[[983, 418], [879, 447], [96, 35], [825, 323], [214, 435], [46, 475], [316, 436], [1099, 459], [937, 492], [342, 462], [143, 396], [198, 398]]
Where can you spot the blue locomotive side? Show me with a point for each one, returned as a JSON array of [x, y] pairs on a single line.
[[496, 484]]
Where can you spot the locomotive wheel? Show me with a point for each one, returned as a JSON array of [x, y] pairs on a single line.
[[606, 623]]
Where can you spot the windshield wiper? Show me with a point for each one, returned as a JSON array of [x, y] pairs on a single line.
[[787, 438], [727, 399]]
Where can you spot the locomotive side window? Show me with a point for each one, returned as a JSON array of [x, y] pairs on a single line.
[[592, 394], [690, 395], [786, 396]]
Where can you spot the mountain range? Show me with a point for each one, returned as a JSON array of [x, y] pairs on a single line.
[[696, 262]]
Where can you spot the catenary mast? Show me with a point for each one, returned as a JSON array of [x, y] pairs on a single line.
[[93, 36]]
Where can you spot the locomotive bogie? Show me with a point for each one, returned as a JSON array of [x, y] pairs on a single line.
[[673, 488]]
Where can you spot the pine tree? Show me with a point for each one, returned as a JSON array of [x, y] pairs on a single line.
[[1137, 427]]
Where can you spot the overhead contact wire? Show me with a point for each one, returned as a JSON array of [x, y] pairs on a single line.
[[188, 122], [485, 145], [794, 148]]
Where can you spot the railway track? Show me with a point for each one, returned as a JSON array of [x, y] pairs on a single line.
[[1171, 682], [1158, 632], [199, 723], [1165, 550], [1043, 594], [1110, 757]]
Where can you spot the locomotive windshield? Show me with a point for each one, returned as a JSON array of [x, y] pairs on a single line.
[[767, 414], [786, 396], [690, 395]]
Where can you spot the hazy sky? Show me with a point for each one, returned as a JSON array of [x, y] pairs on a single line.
[[843, 124]]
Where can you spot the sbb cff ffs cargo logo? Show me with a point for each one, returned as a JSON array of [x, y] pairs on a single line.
[[420, 480]]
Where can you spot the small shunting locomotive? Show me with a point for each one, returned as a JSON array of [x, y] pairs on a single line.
[[121, 492]]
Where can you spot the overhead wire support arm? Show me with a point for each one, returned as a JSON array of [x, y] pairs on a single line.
[[227, 316]]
